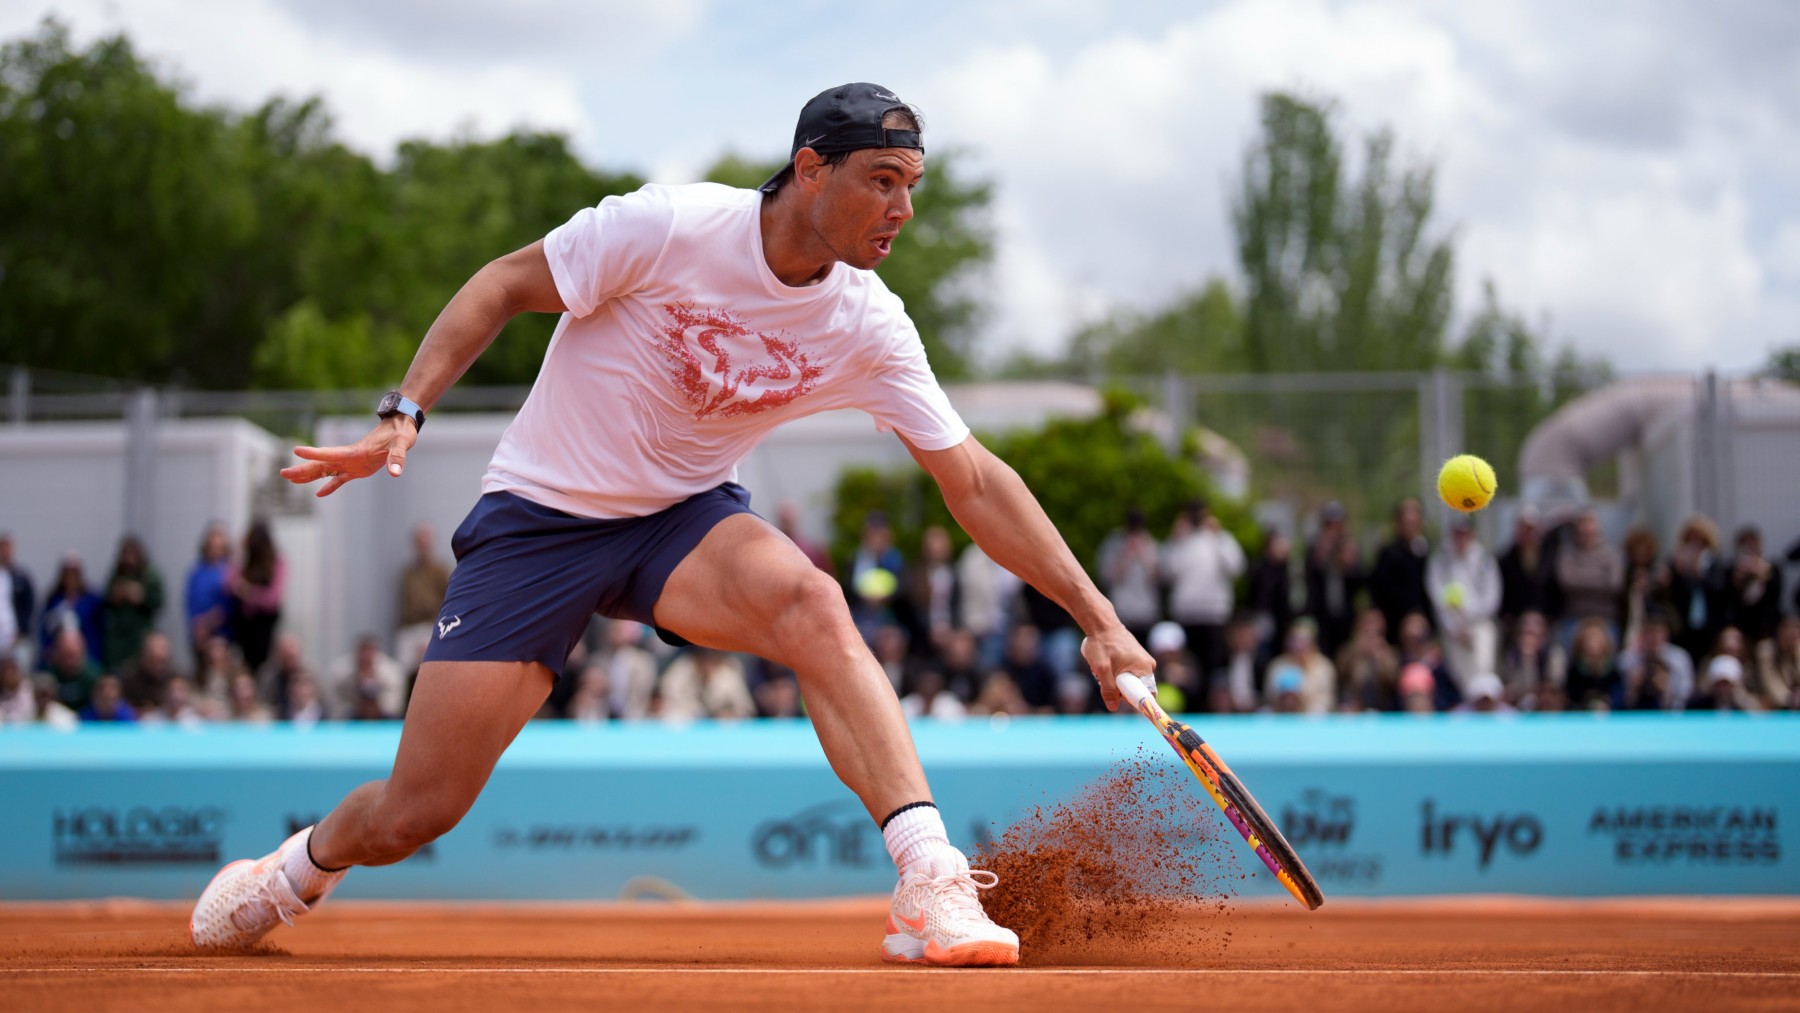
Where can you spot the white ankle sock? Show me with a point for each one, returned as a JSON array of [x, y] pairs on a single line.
[[914, 836], [308, 880]]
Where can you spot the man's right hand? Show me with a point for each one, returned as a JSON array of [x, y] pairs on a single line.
[[386, 444]]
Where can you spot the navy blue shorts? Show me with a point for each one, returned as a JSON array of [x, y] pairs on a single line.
[[529, 577]]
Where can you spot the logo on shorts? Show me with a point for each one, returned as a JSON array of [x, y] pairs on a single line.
[[725, 369], [444, 628]]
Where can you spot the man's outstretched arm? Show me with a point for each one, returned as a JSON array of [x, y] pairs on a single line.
[[991, 502], [519, 282]]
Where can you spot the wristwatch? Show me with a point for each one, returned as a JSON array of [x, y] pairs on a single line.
[[395, 403]]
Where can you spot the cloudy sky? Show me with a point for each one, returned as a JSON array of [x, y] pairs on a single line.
[[1628, 172]]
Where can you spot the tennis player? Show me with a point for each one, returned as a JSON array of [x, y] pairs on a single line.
[[695, 319]]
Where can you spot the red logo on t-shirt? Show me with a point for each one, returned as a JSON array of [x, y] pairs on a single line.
[[700, 343]]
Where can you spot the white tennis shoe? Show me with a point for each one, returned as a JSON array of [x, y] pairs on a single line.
[[247, 899], [936, 918]]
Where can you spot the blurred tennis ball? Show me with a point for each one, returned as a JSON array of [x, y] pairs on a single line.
[[876, 584], [1467, 483]]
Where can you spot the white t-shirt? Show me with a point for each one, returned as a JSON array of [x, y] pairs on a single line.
[[681, 350]]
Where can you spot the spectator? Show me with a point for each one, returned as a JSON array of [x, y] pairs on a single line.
[[1730, 641], [999, 695], [1646, 582], [1334, 575], [1485, 695], [928, 697], [17, 704], [1532, 665], [778, 696], [74, 670], [107, 703], [134, 597], [1030, 671], [422, 587], [890, 650], [51, 711], [1059, 640], [704, 683], [1750, 588], [74, 605], [146, 675], [1175, 669], [1723, 688], [257, 588], [1527, 572], [1464, 584], [18, 599], [1368, 667], [1238, 684], [630, 669], [988, 594], [1419, 645], [1201, 562], [1590, 574], [208, 603], [875, 572], [1269, 591], [930, 591], [1777, 680], [366, 671], [277, 677], [1128, 567], [1655, 674], [1418, 689], [301, 704], [787, 521], [961, 664], [592, 702], [1690, 594], [220, 663], [1287, 688], [1318, 691], [1593, 680], [1397, 583], [246, 704], [175, 707]]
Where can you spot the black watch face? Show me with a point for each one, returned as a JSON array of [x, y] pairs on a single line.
[[390, 403]]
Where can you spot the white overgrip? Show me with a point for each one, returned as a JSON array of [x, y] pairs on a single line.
[[1133, 687]]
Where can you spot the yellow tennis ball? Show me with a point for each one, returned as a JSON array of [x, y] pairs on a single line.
[[1467, 483]]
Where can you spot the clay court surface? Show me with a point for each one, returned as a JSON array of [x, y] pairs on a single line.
[[1417, 955]]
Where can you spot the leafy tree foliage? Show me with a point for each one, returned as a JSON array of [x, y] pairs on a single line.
[[1085, 472]]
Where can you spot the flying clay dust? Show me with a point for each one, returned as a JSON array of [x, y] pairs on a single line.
[[1138, 868]]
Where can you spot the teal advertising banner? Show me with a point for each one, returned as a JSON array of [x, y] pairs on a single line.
[[1570, 805]]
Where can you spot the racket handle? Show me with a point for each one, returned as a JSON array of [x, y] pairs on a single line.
[[1133, 687]]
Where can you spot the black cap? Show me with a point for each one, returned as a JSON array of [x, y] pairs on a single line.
[[847, 118]]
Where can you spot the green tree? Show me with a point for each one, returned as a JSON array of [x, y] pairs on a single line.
[[1783, 364], [1085, 472], [1201, 332], [936, 262]]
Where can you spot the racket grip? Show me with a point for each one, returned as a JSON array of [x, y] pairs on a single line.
[[1133, 687]]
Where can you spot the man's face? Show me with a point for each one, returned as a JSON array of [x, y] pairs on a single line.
[[862, 202]]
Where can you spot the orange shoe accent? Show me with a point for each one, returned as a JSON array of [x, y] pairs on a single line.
[[976, 954], [916, 924]]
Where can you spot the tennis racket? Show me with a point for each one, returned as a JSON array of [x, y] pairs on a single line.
[[1229, 794]]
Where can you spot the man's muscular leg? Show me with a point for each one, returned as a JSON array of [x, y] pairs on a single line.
[[746, 587], [462, 716]]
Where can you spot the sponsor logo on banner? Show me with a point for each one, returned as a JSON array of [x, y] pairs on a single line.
[[1705, 834], [1320, 827], [297, 823], [137, 835], [832, 834], [1484, 835], [595, 837]]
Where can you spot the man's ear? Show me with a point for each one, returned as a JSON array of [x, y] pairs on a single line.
[[810, 168]]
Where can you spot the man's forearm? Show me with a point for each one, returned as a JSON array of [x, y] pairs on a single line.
[[1005, 519], [461, 332]]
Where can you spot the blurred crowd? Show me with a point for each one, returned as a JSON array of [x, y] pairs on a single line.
[[1558, 619]]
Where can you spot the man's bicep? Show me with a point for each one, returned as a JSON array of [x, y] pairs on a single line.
[[525, 276], [958, 470]]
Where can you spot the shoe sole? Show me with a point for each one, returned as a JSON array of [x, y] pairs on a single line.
[[981, 953]]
